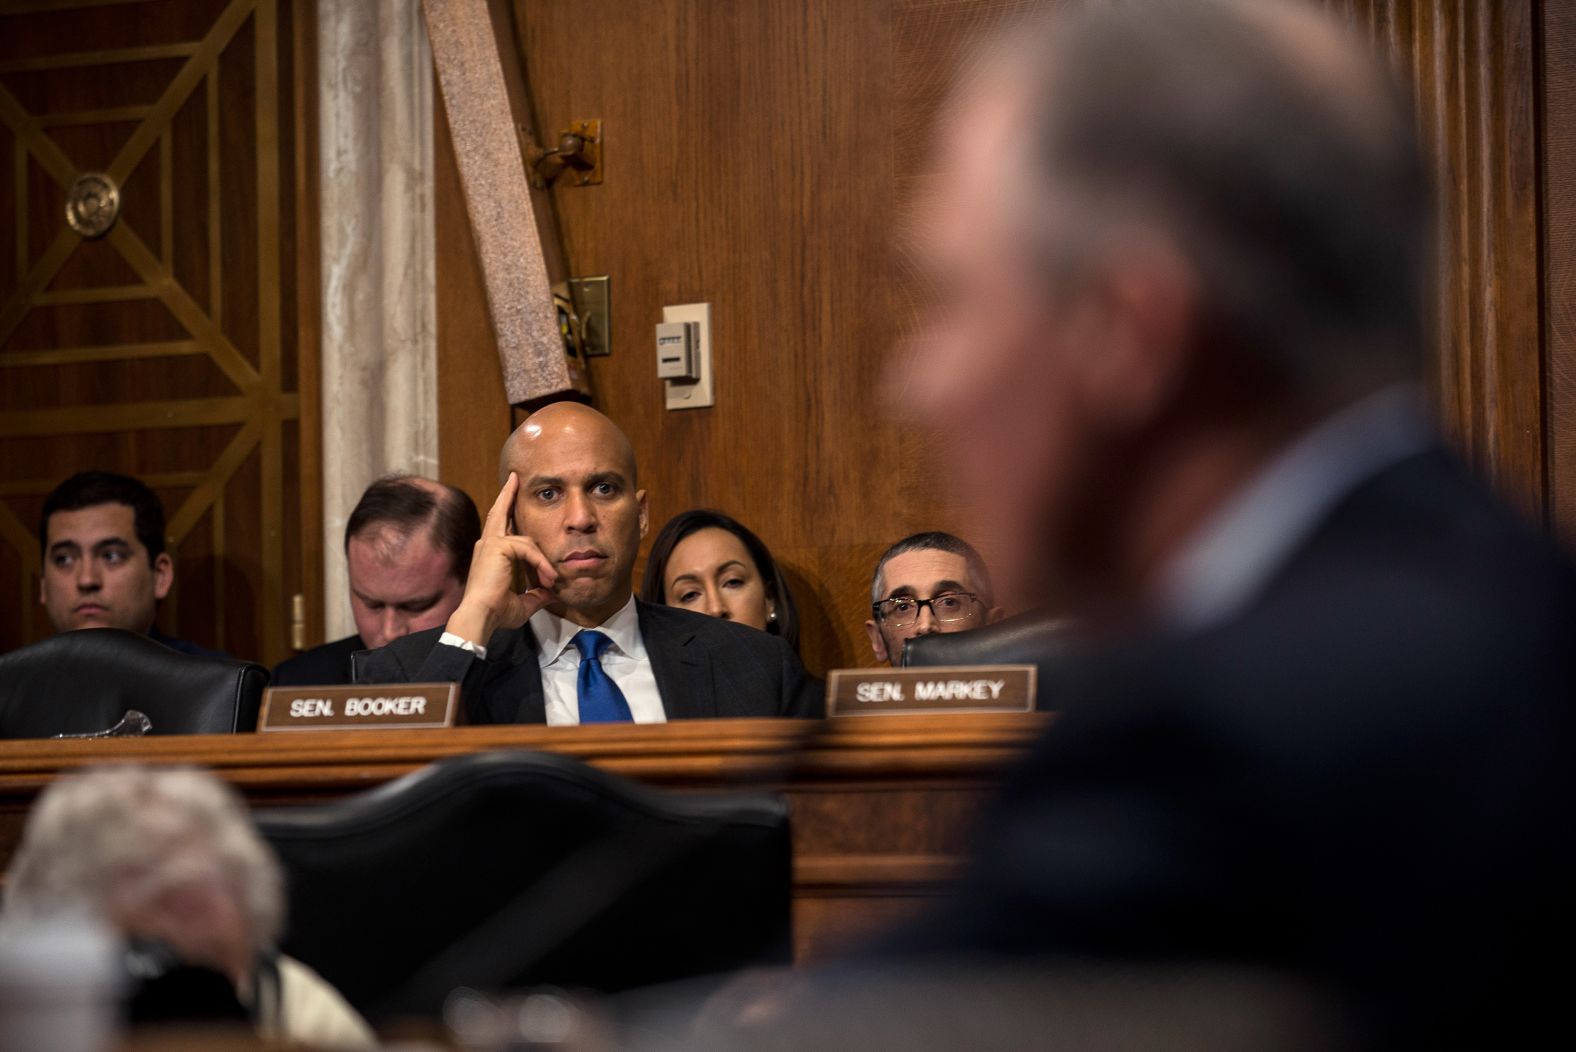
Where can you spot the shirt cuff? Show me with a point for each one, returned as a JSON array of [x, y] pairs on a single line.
[[449, 639]]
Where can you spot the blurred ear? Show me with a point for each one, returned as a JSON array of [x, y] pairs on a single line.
[[1133, 329], [877, 642], [163, 575], [645, 512], [994, 614]]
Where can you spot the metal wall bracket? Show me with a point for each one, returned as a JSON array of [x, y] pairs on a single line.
[[577, 156]]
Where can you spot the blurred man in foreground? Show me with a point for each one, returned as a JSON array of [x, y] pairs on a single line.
[[408, 546], [1183, 249], [573, 645], [169, 858], [105, 566], [929, 582]]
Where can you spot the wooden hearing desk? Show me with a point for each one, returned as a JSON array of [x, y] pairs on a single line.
[[880, 803]]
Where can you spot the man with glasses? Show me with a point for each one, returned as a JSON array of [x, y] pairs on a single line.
[[929, 582]]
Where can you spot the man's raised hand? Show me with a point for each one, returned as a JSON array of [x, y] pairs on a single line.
[[490, 601]]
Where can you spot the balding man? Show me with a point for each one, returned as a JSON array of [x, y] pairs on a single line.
[[1327, 728], [575, 646], [408, 545]]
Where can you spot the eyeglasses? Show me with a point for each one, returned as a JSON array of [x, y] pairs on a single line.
[[902, 611]]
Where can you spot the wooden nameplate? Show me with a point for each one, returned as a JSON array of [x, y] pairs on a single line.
[[367, 707], [961, 688]]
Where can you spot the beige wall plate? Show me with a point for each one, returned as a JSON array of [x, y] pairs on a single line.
[[702, 393]]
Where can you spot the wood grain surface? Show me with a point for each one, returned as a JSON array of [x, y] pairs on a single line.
[[1558, 171], [880, 805], [759, 156], [172, 347]]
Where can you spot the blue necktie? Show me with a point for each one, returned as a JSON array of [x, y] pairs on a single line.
[[600, 699]]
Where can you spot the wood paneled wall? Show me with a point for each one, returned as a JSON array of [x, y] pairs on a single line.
[[756, 156], [175, 348], [1557, 170], [1473, 69], [752, 158]]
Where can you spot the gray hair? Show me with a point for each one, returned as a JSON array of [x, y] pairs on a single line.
[[1280, 158], [935, 541], [96, 833]]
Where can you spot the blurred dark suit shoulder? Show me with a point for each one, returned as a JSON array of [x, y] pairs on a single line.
[[1365, 773], [324, 665], [704, 667]]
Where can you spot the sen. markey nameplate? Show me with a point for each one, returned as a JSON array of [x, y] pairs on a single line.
[[961, 688], [367, 707]]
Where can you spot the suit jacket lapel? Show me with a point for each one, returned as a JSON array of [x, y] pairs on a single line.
[[679, 665], [511, 690]]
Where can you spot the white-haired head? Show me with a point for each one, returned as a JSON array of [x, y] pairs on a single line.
[[113, 840]]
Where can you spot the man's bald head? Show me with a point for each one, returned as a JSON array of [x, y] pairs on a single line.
[[552, 426], [579, 502]]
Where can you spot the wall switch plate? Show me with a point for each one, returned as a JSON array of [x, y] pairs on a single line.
[[593, 302], [701, 393]]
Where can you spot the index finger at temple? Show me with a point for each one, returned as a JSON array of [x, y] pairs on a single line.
[[498, 514]]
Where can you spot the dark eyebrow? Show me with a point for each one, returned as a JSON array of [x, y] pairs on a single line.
[[605, 476], [907, 591], [695, 578], [544, 480], [98, 546]]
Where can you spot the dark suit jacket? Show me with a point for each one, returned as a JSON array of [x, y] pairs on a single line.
[[704, 667], [321, 666], [1364, 778]]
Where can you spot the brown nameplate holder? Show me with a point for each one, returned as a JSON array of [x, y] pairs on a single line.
[[372, 706], [914, 691]]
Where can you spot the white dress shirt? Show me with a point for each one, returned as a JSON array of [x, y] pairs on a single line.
[[624, 661], [1224, 565]]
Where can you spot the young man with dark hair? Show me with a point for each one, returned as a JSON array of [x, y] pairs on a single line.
[[930, 582], [105, 566], [408, 545]]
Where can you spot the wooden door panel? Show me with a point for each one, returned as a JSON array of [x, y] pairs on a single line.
[[781, 145], [167, 349]]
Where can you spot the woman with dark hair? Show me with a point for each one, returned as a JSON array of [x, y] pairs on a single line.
[[711, 563]]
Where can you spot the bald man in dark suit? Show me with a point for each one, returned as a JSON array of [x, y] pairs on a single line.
[[576, 646]]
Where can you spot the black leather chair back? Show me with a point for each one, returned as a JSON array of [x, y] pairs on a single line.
[[508, 869], [84, 682], [1027, 639]]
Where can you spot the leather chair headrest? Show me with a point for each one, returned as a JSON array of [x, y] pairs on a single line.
[[509, 869], [1027, 639], [84, 682]]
